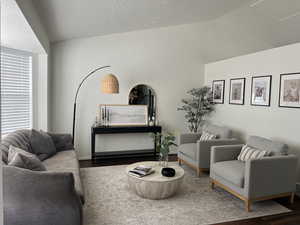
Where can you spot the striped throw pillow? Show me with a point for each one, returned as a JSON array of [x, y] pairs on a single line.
[[248, 153], [205, 136]]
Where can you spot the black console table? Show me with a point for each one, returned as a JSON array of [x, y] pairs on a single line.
[[118, 130]]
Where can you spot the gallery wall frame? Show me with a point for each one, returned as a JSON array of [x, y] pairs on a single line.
[[289, 90], [263, 95], [221, 92], [237, 91]]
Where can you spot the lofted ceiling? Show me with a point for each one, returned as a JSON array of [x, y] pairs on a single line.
[[13, 26], [66, 19], [223, 28]]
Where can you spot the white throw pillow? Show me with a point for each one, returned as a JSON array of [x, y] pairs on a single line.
[[248, 153], [205, 136]]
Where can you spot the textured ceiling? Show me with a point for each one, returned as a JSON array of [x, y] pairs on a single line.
[[66, 19]]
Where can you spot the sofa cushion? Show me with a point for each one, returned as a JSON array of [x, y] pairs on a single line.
[[19, 139], [220, 132], [189, 150], [232, 171], [20, 158], [62, 142], [274, 147], [66, 161], [42, 144]]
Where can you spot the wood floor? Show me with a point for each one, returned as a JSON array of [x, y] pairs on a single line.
[[291, 218]]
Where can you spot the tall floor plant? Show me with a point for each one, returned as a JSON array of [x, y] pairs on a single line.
[[198, 106]]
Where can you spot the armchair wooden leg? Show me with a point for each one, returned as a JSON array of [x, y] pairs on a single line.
[[248, 205], [212, 184], [199, 172], [292, 198], [179, 162]]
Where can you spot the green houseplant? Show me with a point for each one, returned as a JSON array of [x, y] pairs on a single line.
[[197, 107], [163, 144]]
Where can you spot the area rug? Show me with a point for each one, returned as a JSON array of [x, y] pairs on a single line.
[[109, 201]]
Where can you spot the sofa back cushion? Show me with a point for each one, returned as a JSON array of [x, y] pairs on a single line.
[[274, 147], [19, 139], [220, 132], [42, 144]]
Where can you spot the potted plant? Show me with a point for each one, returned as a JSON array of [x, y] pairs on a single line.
[[163, 144], [197, 107]]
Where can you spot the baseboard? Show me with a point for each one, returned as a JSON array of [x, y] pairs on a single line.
[[85, 158]]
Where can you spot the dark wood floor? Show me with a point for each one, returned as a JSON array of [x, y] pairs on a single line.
[[291, 218]]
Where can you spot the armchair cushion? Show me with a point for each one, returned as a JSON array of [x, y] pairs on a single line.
[[189, 150], [205, 136], [274, 147], [232, 171], [248, 153], [220, 132]]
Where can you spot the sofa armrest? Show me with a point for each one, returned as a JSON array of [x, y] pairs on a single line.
[[270, 176], [32, 197], [189, 138], [204, 149], [225, 153], [62, 142]]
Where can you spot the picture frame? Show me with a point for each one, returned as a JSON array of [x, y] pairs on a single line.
[[261, 87], [123, 115], [237, 91], [218, 90], [289, 90]]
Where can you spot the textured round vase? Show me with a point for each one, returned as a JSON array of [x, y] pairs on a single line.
[[168, 172]]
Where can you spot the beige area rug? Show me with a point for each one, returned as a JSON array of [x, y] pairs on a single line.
[[109, 201]]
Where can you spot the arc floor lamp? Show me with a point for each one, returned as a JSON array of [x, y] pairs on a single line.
[[109, 85]]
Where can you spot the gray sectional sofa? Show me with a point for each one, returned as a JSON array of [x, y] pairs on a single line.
[[52, 197]]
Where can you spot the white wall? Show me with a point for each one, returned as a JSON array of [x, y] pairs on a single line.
[[271, 122], [167, 59]]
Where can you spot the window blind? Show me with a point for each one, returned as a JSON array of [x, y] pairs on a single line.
[[16, 91]]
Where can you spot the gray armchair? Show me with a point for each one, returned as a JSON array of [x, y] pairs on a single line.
[[257, 179], [196, 153]]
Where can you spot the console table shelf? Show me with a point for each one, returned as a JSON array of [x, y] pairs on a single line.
[[120, 130]]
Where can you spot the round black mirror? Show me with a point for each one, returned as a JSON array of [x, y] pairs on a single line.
[[142, 94]]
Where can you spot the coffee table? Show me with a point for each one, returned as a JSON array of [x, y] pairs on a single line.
[[155, 186]]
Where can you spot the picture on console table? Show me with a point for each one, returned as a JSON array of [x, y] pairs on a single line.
[[289, 91], [218, 91], [261, 90], [237, 91], [123, 115]]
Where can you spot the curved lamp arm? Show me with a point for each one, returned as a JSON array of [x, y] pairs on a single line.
[[77, 92]]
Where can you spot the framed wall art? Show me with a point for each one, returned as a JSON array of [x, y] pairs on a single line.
[[218, 88], [237, 91], [261, 90], [123, 115], [289, 91]]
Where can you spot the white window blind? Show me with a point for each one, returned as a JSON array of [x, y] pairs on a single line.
[[16, 90]]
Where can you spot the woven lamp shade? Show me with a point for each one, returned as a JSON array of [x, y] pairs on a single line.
[[110, 84]]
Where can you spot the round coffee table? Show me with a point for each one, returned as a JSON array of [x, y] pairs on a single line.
[[155, 186]]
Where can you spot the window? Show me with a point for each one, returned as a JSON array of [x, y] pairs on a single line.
[[16, 90]]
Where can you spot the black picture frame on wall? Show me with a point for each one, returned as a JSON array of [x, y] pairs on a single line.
[[261, 88], [218, 91], [289, 90], [237, 91]]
